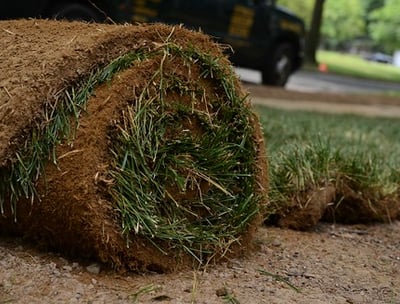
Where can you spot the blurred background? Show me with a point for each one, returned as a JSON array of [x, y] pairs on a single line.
[[357, 38]]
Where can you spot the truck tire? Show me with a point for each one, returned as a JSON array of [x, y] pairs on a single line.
[[280, 67], [74, 11]]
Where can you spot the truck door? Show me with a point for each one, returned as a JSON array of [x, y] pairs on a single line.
[[264, 29], [250, 31]]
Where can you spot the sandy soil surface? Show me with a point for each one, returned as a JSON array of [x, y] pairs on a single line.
[[331, 264]]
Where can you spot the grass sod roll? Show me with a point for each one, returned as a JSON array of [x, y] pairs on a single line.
[[132, 144]]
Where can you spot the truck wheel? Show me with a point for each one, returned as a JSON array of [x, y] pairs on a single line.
[[278, 70], [74, 11]]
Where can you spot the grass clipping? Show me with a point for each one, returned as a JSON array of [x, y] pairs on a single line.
[[149, 160]]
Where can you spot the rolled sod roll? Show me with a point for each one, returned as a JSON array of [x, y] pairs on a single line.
[[132, 144]]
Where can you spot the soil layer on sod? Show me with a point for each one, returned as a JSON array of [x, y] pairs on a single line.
[[135, 145]]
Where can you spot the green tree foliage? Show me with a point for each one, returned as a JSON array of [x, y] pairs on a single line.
[[370, 5], [302, 8], [311, 12], [384, 25], [343, 20]]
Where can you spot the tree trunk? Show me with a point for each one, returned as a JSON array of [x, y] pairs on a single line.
[[313, 36]]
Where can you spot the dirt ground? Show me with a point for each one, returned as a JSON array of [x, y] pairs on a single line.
[[331, 264]]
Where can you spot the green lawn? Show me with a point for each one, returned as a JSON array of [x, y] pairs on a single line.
[[308, 150], [356, 66]]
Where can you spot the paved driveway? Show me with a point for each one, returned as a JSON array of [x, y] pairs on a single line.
[[306, 81], [325, 93]]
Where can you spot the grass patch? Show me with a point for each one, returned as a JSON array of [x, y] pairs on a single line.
[[355, 66], [309, 150]]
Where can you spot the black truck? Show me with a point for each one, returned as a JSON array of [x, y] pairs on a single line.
[[263, 35]]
